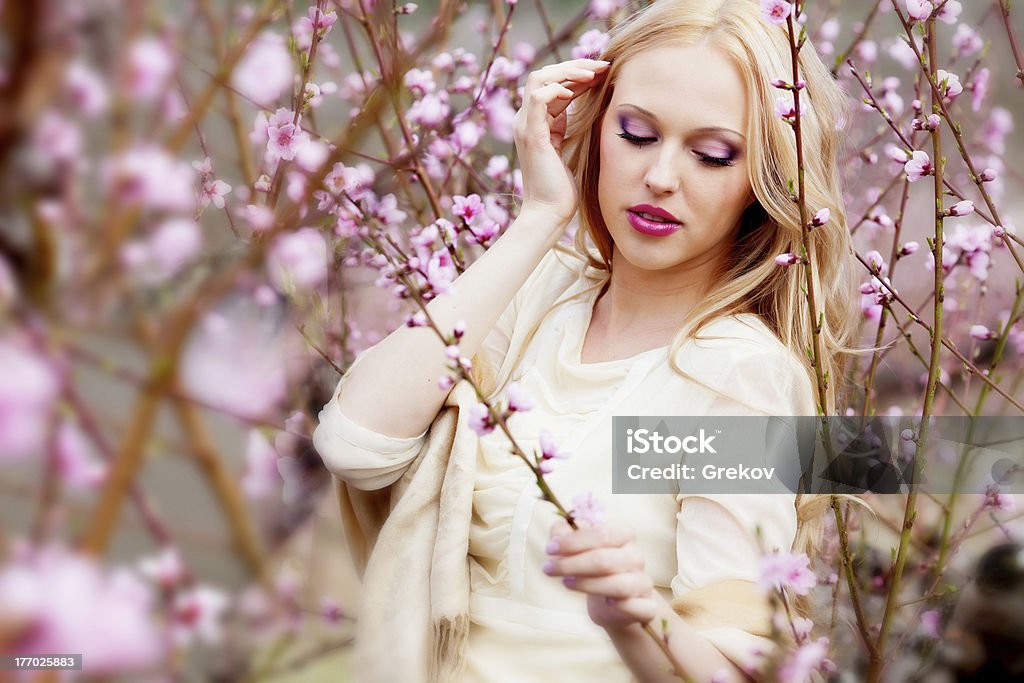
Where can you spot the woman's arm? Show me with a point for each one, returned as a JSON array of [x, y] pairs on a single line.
[[393, 389]]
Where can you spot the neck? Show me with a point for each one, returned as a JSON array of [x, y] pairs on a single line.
[[637, 300]]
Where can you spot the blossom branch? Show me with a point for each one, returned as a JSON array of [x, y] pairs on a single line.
[[876, 662], [1011, 34]]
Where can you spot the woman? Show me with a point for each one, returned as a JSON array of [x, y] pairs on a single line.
[[671, 303]]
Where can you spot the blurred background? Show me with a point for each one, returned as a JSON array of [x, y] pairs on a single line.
[[181, 285]]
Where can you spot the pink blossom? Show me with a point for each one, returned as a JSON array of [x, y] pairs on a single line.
[[166, 568], [591, 44], [445, 382], [918, 167], [258, 216], [441, 272], [298, 260], [384, 209], [213, 191], [587, 511], [497, 167], [962, 208], [996, 500], [904, 54], [467, 207], [430, 110], [322, 21], [77, 462], [931, 623], [261, 477], [467, 135], [867, 51], [57, 139], [821, 217], [919, 10], [949, 83], [86, 88], [981, 333], [550, 450], [174, 244], [311, 154], [909, 248], [949, 12], [283, 141], [603, 9], [776, 11], [998, 125], [265, 71], [518, 399], [785, 108], [480, 420], [988, 175], [65, 602], [150, 64], [237, 364], [419, 81], [966, 41], [151, 177], [28, 388], [979, 88], [197, 614], [798, 665], [786, 571], [484, 230]]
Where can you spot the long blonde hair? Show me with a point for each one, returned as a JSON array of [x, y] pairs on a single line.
[[750, 280]]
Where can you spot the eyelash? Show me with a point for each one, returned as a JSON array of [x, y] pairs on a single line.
[[706, 158]]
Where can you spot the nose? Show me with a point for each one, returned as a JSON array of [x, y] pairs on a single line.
[[662, 176]]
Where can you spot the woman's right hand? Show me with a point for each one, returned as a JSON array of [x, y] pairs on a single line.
[[538, 131]]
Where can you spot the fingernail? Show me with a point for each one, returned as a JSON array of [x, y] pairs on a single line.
[[569, 581], [552, 547], [602, 61], [548, 567]]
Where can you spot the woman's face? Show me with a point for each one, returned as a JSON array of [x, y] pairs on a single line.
[[673, 139]]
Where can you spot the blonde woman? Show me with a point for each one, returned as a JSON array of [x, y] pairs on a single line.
[[675, 162]]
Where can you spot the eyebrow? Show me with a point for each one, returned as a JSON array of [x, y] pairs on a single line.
[[705, 129]]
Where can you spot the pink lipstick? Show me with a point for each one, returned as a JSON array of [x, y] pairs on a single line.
[[652, 220]]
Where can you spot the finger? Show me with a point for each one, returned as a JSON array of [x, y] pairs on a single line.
[[551, 72], [537, 127], [560, 527], [642, 610], [598, 562], [618, 586], [592, 537], [578, 85]]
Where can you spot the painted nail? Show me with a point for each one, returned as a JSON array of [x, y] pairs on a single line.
[[548, 567], [569, 581], [552, 546]]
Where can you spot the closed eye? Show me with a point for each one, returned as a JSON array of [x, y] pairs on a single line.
[[714, 161], [634, 140]]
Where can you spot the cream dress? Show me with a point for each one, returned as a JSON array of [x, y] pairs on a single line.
[[526, 626]]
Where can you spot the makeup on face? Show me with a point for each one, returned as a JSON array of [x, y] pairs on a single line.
[[712, 152]]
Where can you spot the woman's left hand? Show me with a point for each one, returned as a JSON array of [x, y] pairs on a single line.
[[603, 562]]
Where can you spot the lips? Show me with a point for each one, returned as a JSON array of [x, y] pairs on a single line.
[[653, 212], [651, 220]]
